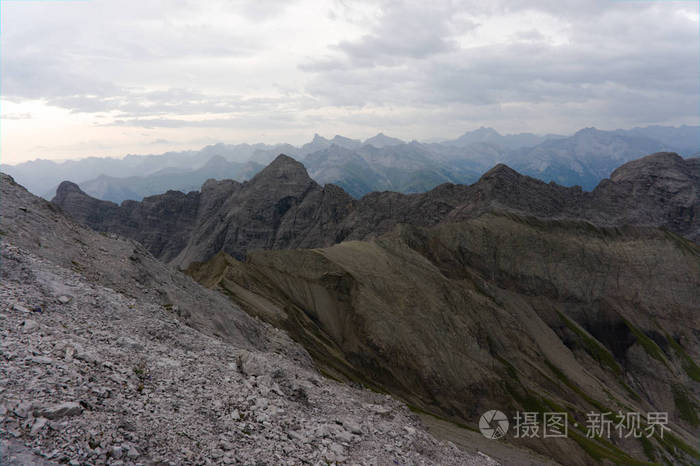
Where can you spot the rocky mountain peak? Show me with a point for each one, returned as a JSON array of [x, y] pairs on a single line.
[[382, 140], [587, 131], [67, 188], [283, 168], [661, 164], [216, 161], [501, 171]]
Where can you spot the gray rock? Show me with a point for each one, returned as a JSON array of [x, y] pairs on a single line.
[[337, 448], [38, 425], [252, 364], [116, 452], [19, 308], [88, 357], [381, 409], [58, 411], [63, 299], [133, 452], [42, 360], [353, 427], [344, 436], [29, 326], [129, 343], [23, 409], [300, 437]]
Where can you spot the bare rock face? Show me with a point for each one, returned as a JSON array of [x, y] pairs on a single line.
[[163, 223], [661, 190], [282, 207]]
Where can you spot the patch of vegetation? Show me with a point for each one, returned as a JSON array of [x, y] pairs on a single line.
[[686, 246], [598, 449], [526, 400], [141, 372], [651, 348], [648, 447], [592, 346], [510, 369], [561, 376], [689, 366], [419, 410], [630, 391], [671, 443], [687, 410], [603, 450]]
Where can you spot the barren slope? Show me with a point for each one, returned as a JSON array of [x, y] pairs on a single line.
[[500, 311]]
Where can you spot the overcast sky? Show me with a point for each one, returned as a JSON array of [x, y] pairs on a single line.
[[99, 77]]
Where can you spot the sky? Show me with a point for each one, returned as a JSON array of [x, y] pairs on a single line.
[[106, 78]]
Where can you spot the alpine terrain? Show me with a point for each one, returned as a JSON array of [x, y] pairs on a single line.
[[509, 294]]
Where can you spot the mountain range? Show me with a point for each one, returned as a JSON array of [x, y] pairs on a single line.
[[509, 293], [283, 207], [376, 164]]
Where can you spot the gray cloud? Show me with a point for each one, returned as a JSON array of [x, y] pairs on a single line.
[[415, 67], [618, 59]]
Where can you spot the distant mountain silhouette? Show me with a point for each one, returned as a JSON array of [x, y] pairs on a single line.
[[379, 163]]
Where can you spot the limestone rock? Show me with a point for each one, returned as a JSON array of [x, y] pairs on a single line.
[[67, 409]]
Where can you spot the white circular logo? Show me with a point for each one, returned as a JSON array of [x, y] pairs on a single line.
[[493, 424]]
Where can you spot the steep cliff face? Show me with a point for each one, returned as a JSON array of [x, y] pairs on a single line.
[[660, 189], [163, 223], [500, 311], [282, 207]]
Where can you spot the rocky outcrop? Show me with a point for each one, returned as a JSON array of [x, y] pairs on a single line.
[[660, 190], [282, 207]]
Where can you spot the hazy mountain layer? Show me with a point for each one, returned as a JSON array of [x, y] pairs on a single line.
[[583, 159], [388, 163], [135, 188]]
